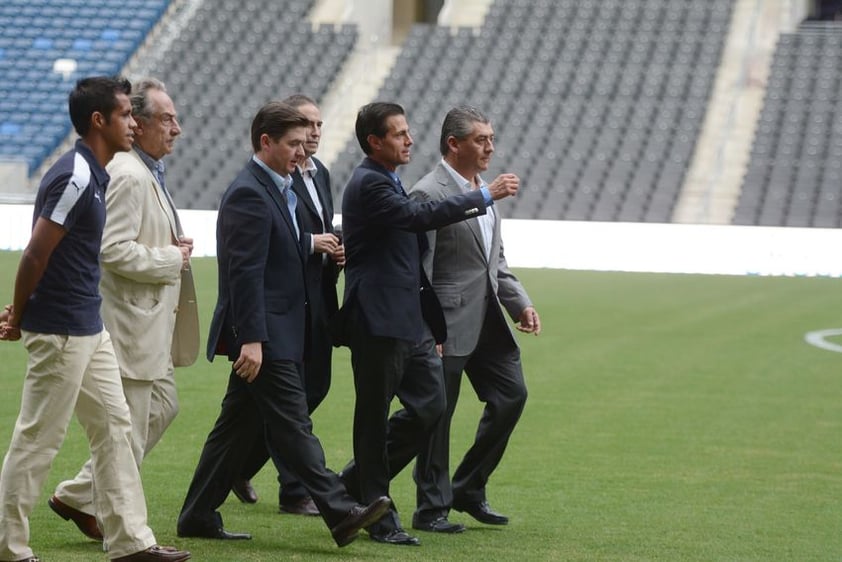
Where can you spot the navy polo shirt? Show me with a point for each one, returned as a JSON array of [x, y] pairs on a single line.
[[72, 194]]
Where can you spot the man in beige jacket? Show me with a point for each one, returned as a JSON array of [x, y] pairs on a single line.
[[148, 296]]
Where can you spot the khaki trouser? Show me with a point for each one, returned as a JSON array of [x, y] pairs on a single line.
[[67, 374], [153, 406]]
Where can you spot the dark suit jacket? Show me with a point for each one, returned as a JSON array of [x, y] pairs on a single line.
[[321, 274], [262, 293], [383, 269]]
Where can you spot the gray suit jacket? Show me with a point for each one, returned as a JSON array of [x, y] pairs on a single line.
[[464, 280]]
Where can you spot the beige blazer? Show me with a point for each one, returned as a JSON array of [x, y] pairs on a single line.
[[148, 302]]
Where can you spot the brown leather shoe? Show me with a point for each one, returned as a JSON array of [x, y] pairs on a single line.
[[86, 523], [156, 553], [243, 490], [304, 506], [358, 518]]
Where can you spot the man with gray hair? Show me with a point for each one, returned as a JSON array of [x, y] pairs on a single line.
[[468, 270], [148, 296]]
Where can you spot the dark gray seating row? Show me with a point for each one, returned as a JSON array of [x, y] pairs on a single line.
[[232, 57], [596, 104], [794, 175]]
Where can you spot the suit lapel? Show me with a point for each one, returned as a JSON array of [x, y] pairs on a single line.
[[172, 215], [167, 208], [303, 193], [372, 165], [452, 188], [324, 196], [275, 195], [495, 245], [326, 217]]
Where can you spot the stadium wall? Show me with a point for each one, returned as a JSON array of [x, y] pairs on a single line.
[[596, 246]]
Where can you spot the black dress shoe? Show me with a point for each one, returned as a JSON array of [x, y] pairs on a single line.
[[437, 525], [482, 512], [304, 506], [243, 490], [86, 523], [213, 533], [359, 517], [396, 536]]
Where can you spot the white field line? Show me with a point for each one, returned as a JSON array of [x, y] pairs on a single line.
[[817, 338]]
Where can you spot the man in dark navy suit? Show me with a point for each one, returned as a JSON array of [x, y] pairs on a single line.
[[325, 252], [390, 318], [325, 256], [260, 323]]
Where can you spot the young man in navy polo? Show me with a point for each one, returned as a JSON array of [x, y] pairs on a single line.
[[72, 367]]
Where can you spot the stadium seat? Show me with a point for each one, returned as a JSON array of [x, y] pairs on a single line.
[[606, 77], [33, 34], [790, 179], [235, 77]]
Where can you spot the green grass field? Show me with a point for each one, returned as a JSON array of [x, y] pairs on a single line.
[[670, 417]]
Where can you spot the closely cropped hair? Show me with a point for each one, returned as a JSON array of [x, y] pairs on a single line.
[[140, 100], [95, 94], [275, 119], [297, 100], [458, 123], [371, 120]]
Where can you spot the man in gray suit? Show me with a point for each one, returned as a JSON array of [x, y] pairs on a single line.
[[468, 270]]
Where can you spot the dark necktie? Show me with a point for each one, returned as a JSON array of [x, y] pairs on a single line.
[[423, 244], [326, 220]]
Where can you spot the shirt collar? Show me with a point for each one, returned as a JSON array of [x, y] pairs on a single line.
[[309, 166], [378, 166], [465, 184], [282, 182], [371, 162], [99, 172], [151, 163]]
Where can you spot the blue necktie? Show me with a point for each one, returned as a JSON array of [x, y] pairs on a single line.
[[423, 244], [292, 201], [397, 179], [159, 174]]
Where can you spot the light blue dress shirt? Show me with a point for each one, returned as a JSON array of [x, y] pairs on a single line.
[[283, 183]]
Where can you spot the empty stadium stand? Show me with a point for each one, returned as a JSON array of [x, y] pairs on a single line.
[[234, 56], [597, 104], [794, 176], [99, 36]]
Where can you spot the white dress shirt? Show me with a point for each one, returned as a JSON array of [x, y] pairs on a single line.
[[486, 221]]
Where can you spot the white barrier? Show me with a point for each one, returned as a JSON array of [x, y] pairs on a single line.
[[600, 246], [674, 248]]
